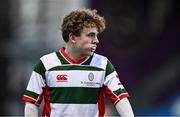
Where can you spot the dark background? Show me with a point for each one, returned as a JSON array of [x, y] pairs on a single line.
[[142, 41]]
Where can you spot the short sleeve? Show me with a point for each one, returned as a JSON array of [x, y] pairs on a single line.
[[112, 85], [36, 85]]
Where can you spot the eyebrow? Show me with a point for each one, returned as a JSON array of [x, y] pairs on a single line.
[[91, 33]]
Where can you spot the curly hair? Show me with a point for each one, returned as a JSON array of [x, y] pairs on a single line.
[[79, 19]]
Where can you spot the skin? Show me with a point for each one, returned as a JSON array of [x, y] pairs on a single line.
[[83, 45]]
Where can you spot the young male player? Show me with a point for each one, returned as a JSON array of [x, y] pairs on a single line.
[[74, 80]]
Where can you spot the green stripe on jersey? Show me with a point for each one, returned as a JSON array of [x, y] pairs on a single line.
[[31, 94], [61, 58], [64, 61], [39, 68], [74, 95], [76, 67], [109, 68], [119, 91], [87, 62]]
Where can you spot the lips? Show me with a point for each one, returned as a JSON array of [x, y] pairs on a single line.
[[93, 48]]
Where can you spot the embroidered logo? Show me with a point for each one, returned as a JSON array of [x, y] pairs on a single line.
[[62, 78], [91, 76], [92, 82]]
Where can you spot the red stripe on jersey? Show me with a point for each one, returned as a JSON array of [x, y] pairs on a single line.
[[40, 98], [47, 108], [69, 59], [29, 99], [124, 95], [101, 103], [113, 98], [34, 101]]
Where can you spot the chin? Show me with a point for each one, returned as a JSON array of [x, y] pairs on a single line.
[[89, 53]]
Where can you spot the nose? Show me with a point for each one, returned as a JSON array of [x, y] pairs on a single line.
[[95, 40]]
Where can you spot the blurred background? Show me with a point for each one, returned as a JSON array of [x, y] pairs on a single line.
[[141, 40]]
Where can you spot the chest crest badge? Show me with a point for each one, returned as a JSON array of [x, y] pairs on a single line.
[[91, 76]]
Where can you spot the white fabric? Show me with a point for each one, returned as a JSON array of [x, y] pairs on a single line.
[[75, 78], [124, 108], [30, 110], [74, 110], [111, 80], [99, 61], [50, 60], [36, 83]]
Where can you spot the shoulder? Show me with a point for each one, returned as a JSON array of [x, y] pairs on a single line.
[[48, 56], [99, 61], [50, 60], [99, 57]]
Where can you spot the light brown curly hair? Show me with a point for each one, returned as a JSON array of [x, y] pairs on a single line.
[[79, 19]]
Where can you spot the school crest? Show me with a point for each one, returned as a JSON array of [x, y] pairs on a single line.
[[91, 76]]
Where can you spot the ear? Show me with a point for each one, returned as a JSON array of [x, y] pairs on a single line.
[[72, 38]]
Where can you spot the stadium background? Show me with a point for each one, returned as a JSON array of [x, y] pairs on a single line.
[[141, 40]]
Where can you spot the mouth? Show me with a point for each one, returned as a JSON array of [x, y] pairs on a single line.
[[93, 48]]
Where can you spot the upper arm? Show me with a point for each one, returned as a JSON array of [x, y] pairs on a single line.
[[113, 87], [36, 85], [124, 108], [30, 109]]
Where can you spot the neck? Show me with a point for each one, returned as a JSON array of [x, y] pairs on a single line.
[[72, 53]]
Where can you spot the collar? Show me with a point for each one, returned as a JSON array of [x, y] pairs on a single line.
[[70, 60]]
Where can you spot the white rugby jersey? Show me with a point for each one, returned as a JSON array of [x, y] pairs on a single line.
[[72, 88]]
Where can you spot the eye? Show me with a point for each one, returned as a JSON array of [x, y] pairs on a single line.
[[91, 35]]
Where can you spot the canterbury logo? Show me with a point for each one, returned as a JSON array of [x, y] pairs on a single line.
[[62, 78]]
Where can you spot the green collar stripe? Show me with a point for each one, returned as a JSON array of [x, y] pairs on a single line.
[[61, 58], [64, 61], [87, 62], [74, 95], [76, 67]]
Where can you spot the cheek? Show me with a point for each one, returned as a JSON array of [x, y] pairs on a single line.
[[85, 44]]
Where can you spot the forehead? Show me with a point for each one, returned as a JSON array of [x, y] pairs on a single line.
[[90, 30]]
